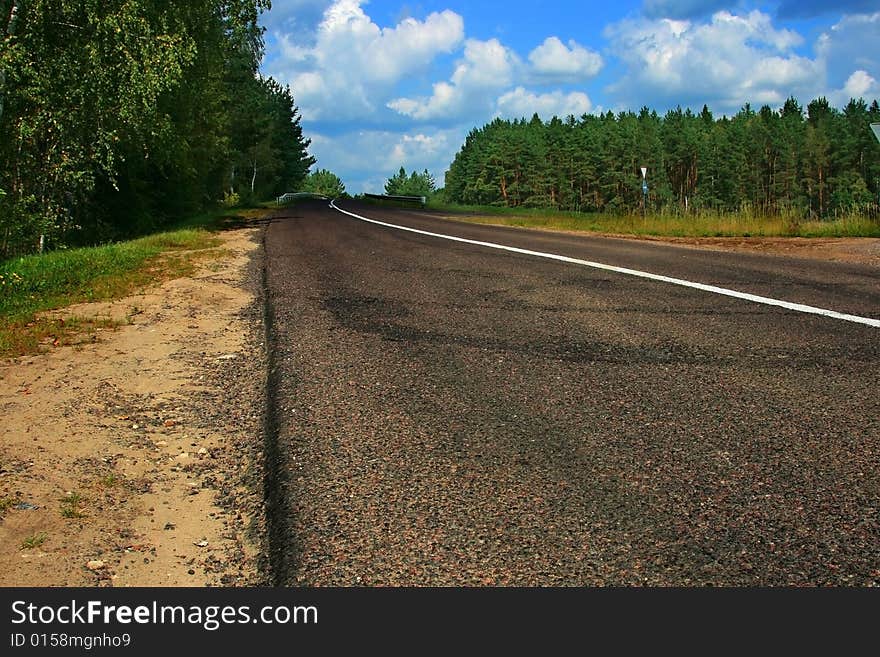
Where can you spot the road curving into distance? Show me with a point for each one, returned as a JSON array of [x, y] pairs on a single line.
[[446, 413]]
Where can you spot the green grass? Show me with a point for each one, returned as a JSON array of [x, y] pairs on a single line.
[[42, 282], [665, 224], [34, 284], [70, 506], [34, 541]]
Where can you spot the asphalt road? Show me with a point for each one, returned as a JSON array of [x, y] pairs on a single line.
[[450, 414]]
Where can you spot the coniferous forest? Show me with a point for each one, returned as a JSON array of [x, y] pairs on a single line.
[[118, 116], [815, 162]]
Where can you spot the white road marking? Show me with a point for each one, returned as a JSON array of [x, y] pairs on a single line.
[[788, 305]]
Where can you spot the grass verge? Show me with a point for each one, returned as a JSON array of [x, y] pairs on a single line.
[[665, 225], [32, 285]]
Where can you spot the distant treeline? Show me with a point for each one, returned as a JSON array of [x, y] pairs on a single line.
[[116, 117], [816, 163]]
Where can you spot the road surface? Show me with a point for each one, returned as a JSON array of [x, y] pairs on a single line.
[[447, 413]]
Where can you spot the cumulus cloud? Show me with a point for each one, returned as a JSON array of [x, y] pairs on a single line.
[[553, 61], [364, 159], [347, 74], [486, 68], [861, 85], [355, 59], [725, 62], [844, 50], [289, 15], [348, 38], [520, 103], [419, 151]]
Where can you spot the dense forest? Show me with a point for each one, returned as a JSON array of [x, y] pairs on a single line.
[[117, 116], [819, 162]]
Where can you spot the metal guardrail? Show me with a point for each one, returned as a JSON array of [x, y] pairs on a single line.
[[292, 196], [406, 199]]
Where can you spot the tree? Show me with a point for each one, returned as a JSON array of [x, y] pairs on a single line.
[[396, 184], [9, 12], [415, 184], [325, 183], [86, 82], [267, 141], [769, 161], [116, 117]]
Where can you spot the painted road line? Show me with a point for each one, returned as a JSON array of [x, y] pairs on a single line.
[[767, 301]]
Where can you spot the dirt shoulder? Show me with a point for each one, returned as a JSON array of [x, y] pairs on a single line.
[[855, 250], [135, 459]]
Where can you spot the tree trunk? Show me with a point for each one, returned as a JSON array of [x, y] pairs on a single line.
[[254, 177], [10, 32]]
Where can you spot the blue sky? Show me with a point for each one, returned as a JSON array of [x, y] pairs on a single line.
[[391, 83]]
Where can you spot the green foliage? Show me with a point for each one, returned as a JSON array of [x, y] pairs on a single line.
[[815, 165], [269, 152], [40, 282], [325, 183], [119, 117], [34, 541], [71, 506], [415, 184], [231, 199]]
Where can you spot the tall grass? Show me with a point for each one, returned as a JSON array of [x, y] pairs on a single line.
[[41, 282], [668, 224], [31, 285]]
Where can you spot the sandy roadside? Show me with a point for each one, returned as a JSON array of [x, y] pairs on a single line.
[[135, 459], [854, 250]]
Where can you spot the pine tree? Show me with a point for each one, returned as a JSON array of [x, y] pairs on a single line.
[[770, 161]]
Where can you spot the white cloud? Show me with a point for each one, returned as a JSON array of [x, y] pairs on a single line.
[[294, 15], [724, 62], [420, 151], [354, 59], [861, 85], [851, 64], [486, 68], [489, 68], [348, 38], [554, 61], [520, 103], [365, 159]]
